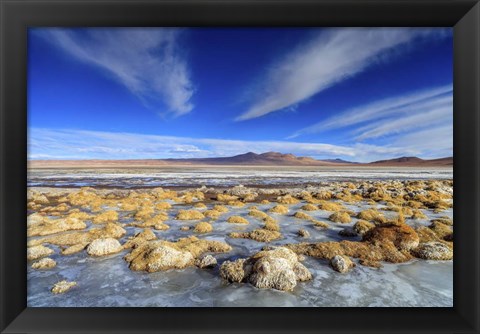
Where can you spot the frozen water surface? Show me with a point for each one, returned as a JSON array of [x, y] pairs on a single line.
[[107, 281], [223, 176]]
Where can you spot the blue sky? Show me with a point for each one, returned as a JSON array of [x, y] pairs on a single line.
[[360, 94]]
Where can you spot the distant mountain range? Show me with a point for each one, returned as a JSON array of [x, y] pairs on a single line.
[[414, 161], [247, 159]]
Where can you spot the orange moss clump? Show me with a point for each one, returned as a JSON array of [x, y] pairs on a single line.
[[441, 230], [390, 243], [402, 236]]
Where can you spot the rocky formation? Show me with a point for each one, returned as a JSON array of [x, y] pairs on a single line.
[[341, 263], [433, 251], [45, 263], [206, 261], [303, 233], [104, 246], [275, 268], [37, 252], [63, 286]]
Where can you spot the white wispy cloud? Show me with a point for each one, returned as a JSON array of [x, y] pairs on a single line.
[[434, 142], [82, 144], [392, 115], [324, 61], [147, 61]]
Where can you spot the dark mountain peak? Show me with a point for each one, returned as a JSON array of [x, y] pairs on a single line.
[[278, 155], [272, 154], [338, 160], [399, 160], [408, 159], [248, 154]]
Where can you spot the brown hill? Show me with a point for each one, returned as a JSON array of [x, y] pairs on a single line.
[[414, 162], [247, 159], [250, 158]]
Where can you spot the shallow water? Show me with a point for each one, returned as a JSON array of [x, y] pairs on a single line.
[[223, 176], [107, 281]]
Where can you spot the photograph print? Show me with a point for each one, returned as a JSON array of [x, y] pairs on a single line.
[[240, 167]]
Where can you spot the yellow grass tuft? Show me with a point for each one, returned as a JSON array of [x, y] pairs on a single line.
[[237, 220], [189, 215]]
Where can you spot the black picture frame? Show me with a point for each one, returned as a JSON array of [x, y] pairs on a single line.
[[18, 15]]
